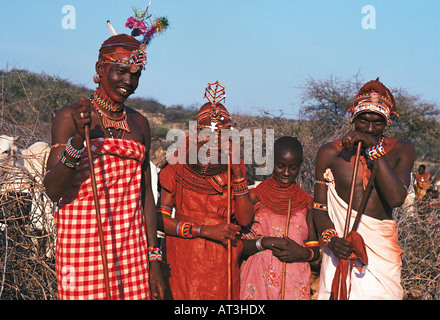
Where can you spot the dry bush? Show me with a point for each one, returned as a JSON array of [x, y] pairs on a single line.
[[27, 238], [420, 241]]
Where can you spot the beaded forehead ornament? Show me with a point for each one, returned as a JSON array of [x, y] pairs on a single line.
[[216, 114]]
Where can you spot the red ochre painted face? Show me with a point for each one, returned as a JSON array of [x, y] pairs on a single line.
[[118, 81], [286, 168]]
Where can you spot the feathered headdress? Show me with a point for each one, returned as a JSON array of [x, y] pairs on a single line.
[[142, 25]]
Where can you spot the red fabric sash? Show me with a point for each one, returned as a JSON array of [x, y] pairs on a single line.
[[344, 266]]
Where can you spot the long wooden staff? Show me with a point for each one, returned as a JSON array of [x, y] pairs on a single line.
[[228, 218], [98, 214], [365, 198], [350, 200], [286, 234], [353, 183]]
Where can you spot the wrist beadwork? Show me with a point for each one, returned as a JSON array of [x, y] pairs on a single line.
[[327, 235], [375, 152], [71, 151], [67, 163], [154, 254]]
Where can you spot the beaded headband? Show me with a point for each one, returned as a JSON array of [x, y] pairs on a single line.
[[372, 102]]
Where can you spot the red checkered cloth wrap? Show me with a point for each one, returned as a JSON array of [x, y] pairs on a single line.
[[79, 266]]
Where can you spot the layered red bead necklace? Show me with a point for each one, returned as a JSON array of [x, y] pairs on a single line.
[[106, 122]]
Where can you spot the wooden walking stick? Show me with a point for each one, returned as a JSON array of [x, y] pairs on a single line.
[[98, 214], [353, 183], [350, 202], [229, 221], [365, 198], [286, 234]]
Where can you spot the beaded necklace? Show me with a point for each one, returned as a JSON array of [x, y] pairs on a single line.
[[105, 122], [105, 102]]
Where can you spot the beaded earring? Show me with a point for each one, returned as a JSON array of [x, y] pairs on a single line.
[[96, 78]]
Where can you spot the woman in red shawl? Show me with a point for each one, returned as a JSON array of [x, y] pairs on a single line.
[[261, 273], [197, 235]]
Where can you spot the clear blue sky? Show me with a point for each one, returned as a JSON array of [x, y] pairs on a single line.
[[261, 51]]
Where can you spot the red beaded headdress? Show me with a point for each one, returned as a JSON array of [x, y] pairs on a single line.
[[374, 97], [213, 114]]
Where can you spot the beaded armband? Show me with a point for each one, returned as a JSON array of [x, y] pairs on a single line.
[[188, 230], [164, 210], [71, 151], [154, 254], [328, 234], [239, 186], [67, 163], [320, 206], [375, 152]]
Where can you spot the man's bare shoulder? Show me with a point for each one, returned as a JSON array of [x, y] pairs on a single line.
[[401, 147], [330, 149], [137, 116], [65, 111]]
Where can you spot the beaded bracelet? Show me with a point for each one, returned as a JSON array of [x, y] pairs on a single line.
[[188, 230], [320, 206], [164, 210], [154, 254], [375, 152], [67, 163], [328, 234], [71, 151], [240, 188]]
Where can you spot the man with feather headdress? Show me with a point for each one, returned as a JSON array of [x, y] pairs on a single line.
[[120, 145]]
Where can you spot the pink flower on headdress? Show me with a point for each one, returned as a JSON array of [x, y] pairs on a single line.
[[130, 22], [139, 27]]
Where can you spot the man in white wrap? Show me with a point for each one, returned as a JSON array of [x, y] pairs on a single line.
[[379, 277]]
